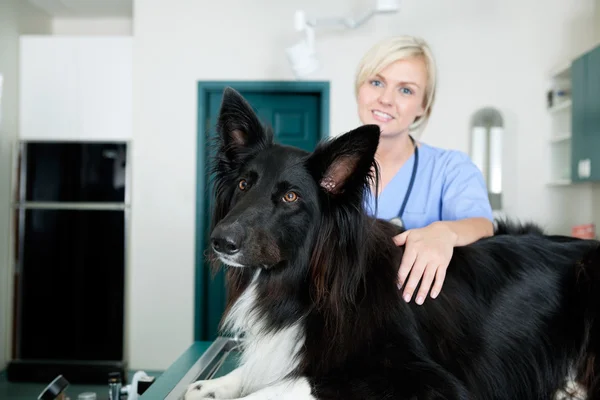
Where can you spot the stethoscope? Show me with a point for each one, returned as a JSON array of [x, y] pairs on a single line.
[[398, 220]]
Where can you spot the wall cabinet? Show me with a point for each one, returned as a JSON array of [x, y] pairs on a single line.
[[75, 88], [585, 121], [575, 110]]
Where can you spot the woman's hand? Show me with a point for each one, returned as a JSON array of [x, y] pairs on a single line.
[[427, 254]]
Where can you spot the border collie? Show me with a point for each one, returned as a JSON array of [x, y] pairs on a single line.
[[312, 286]]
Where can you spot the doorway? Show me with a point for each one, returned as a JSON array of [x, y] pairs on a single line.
[[298, 112]]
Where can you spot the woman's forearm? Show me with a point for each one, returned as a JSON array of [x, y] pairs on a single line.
[[468, 230]]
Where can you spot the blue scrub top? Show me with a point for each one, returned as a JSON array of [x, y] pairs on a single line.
[[448, 186]]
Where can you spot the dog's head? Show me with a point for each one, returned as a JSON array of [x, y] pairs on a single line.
[[270, 198]]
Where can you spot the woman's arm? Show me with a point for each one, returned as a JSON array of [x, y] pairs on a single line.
[[468, 230], [466, 216]]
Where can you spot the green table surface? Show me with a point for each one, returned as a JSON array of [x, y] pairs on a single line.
[[168, 379]]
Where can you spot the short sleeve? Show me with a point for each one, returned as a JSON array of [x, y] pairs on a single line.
[[464, 194]]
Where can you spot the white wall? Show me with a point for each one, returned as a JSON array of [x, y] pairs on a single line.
[[597, 20], [489, 54], [16, 17], [92, 26]]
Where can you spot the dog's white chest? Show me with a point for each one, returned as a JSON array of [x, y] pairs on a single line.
[[267, 357]]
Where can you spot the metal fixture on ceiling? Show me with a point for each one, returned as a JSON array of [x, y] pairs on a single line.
[[302, 55]]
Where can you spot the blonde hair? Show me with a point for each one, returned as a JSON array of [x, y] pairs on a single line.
[[397, 48]]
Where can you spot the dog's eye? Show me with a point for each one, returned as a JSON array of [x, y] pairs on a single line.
[[243, 184], [290, 197]]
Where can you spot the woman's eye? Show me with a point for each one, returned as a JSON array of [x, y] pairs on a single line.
[[243, 184], [376, 82], [406, 91], [290, 197]]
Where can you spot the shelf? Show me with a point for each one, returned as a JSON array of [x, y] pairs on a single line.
[[560, 138], [559, 182], [560, 159], [561, 71], [563, 105]]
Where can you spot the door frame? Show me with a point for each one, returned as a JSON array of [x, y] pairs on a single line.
[[205, 88]]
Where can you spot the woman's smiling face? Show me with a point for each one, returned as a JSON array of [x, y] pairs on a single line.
[[394, 97]]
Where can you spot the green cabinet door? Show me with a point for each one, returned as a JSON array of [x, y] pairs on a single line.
[[585, 152], [579, 103], [593, 115], [296, 121]]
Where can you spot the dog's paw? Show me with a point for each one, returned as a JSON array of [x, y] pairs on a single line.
[[199, 390], [217, 389]]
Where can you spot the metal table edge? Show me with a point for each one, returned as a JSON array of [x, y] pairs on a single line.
[[173, 383], [169, 379]]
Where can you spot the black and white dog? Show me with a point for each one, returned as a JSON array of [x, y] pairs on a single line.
[[312, 284]]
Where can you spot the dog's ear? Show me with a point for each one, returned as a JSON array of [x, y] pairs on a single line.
[[238, 126], [344, 163]]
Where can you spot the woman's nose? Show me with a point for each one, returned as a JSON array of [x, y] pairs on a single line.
[[386, 97]]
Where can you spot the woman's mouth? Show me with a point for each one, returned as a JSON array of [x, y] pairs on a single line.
[[381, 116]]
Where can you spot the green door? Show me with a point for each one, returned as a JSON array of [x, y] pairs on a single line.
[[297, 121]]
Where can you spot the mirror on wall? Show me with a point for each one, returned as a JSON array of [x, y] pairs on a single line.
[[486, 137]]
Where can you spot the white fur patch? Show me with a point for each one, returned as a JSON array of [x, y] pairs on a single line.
[[571, 391], [232, 261], [296, 389], [266, 357]]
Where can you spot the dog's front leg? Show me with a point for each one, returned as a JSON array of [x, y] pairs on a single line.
[[225, 387], [288, 389]]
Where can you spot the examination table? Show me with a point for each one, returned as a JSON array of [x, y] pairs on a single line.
[[202, 360]]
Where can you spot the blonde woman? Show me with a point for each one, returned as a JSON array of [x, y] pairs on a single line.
[[438, 195]]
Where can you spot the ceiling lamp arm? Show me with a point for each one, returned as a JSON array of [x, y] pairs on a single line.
[[382, 7], [302, 55]]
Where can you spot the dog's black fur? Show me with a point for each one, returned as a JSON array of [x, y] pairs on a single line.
[[517, 312]]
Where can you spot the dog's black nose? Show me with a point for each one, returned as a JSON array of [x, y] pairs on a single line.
[[225, 245], [227, 239]]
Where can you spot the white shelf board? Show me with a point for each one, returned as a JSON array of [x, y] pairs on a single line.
[[559, 182], [561, 71], [560, 138], [563, 105]]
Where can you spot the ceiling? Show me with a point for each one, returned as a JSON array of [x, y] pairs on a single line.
[[86, 8]]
